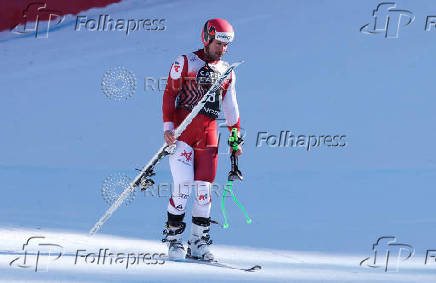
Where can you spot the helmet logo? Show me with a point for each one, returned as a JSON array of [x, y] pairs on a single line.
[[223, 36], [212, 31]]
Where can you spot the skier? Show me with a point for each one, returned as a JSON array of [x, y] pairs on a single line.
[[194, 162]]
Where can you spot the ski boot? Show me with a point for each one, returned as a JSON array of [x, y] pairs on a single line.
[[199, 242], [173, 238]]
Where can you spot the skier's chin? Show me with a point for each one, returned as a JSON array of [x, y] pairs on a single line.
[[215, 56], [218, 57]]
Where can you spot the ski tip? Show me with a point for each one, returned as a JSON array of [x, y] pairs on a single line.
[[254, 268]]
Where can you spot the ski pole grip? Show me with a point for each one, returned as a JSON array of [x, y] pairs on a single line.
[[234, 140]]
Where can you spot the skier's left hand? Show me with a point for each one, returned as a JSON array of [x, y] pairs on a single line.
[[238, 152]]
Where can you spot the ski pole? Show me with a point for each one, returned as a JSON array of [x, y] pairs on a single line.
[[234, 141]]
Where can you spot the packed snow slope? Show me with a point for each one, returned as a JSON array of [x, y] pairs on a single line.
[[308, 70]]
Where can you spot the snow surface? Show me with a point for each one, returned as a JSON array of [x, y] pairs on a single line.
[[308, 69]]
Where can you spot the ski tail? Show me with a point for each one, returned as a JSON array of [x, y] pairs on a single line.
[[217, 263]]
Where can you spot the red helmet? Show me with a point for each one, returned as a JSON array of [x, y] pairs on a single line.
[[218, 29]]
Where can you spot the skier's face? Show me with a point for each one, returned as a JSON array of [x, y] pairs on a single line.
[[216, 49]]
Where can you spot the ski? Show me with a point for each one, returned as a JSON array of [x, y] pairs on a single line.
[[142, 179], [216, 264]]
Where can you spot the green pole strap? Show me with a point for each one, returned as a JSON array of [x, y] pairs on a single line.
[[228, 188], [226, 224]]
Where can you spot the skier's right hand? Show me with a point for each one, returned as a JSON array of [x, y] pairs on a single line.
[[169, 137]]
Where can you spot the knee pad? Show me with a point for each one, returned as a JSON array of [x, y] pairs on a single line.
[[202, 201], [202, 192], [179, 197]]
